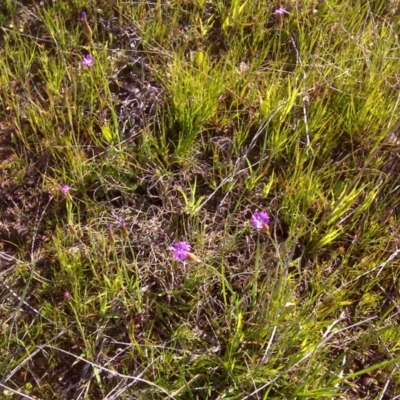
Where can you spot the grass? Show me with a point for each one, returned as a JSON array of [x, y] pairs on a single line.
[[195, 115]]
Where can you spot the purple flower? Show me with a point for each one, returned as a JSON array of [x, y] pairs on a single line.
[[181, 250], [280, 11], [260, 220], [88, 61], [83, 15], [65, 189]]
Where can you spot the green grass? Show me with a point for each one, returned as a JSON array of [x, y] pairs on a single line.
[[195, 115]]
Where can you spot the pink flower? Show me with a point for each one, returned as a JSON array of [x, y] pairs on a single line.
[[181, 250], [65, 189], [260, 220], [88, 61], [280, 11]]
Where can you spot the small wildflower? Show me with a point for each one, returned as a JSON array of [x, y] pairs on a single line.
[[86, 28], [280, 14], [181, 250], [88, 61], [260, 221], [280, 11], [124, 229], [67, 296], [65, 189], [111, 237]]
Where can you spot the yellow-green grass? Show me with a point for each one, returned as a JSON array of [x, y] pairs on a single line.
[[194, 115]]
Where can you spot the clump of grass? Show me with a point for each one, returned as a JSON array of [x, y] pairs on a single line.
[[199, 200]]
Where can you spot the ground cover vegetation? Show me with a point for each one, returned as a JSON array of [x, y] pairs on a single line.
[[199, 199]]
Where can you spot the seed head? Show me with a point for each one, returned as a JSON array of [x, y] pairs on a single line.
[[111, 237], [124, 229], [85, 26]]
